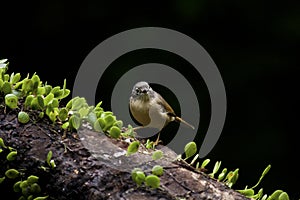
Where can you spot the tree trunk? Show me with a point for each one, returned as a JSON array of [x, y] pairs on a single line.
[[90, 165]]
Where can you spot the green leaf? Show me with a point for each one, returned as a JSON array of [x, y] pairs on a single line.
[[41, 198], [11, 101], [275, 195], [262, 176], [49, 156], [48, 98], [2, 143], [35, 83], [84, 111], [99, 104], [23, 117], [78, 103], [11, 156], [17, 187], [65, 125], [157, 170], [32, 179], [157, 155], [40, 101], [34, 104], [12, 173], [75, 122], [28, 101], [2, 179], [55, 103], [190, 149], [41, 90], [15, 78], [118, 123], [138, 176], [6, 87], [216, 169], [48, 89], [133, 148], [284, 196], [152, 181], [27, 85], [109, 121], [115, 132], [222, 174], [35, 188], [128, 132], [247, 192], [63, 114], [3, 61], [204, 163]]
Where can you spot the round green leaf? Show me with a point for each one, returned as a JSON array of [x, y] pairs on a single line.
[[63, 114], [11, 101], [35, 188], [17, 187], [32, 179], [23, 117], [284, 196], [11, 156], [133, 148], [28, 101], [6, 87], [114, 132], [190, 149], [138, 176], [157, 170], [12, 173], [75, 122], [152, 181], [157, 155]]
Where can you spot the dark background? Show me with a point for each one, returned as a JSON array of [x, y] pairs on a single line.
[[255, 45]]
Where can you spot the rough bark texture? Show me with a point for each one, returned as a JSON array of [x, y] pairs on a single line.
[[95, 174]]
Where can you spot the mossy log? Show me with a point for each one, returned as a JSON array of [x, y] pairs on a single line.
[[82, 174]]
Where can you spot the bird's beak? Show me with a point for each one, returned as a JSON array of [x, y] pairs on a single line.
[[145, 91]]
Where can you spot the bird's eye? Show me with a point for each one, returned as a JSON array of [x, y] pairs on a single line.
[[137, 90]]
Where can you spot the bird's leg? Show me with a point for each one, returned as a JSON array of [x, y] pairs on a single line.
[[138, 127], [157, 140]]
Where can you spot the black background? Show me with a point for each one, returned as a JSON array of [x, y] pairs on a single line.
[[255, 45]]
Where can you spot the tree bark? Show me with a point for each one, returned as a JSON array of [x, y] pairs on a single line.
[[90, 165]]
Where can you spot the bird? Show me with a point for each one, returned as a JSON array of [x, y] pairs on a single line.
[[150, 109]]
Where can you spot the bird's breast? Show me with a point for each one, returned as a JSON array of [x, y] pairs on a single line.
[[140, 111]]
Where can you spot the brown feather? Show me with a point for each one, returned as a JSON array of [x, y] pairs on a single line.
[[170, 111]]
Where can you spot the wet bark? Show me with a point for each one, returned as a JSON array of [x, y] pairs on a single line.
[[84, 171]]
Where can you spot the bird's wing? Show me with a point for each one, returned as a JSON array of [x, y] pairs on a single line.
[[161, 101]]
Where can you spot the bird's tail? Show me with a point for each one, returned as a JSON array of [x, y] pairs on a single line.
[[178, 119]]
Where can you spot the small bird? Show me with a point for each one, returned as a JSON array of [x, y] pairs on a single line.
[[150, 109]]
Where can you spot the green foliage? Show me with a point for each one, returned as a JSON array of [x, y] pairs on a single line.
[[133, 148], [229, 178], [11, 101], [50, 161], [138, 176], [28, 187], [23, 117], [190, 149], [157, 154], [157, 170], [152, 181]]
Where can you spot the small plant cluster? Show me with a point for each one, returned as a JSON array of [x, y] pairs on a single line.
[[152, 180], [46, 99], [28, 187], [229, 177]]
